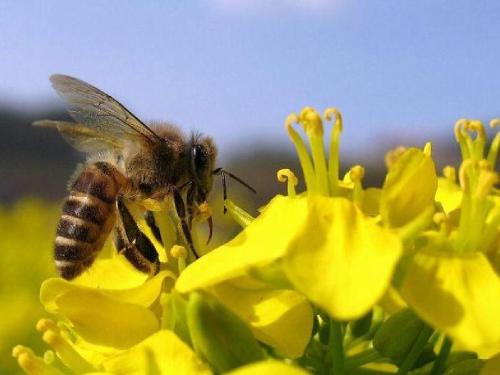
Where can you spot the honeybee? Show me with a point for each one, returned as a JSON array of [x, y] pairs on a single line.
[[126, 160]]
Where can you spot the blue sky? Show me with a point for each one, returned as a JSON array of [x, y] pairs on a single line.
[[236, 68]]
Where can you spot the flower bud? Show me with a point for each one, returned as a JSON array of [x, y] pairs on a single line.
[[218, 335], [397, 335], [409, 188]]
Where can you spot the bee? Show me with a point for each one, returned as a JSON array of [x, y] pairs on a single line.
[[127, 160]]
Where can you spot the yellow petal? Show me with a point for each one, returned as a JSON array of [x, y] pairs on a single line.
[[409, 187], [460, 295], [340, 259], [97, 317], [143, 295], [281, 319], [269, 367], [448, 194], [111, 273], [264, 240], [163, 353]]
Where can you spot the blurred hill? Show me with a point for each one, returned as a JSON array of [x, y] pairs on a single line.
[[38, 162], [32, 161]]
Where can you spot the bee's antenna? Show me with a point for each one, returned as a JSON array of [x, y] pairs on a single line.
[[223, 174]]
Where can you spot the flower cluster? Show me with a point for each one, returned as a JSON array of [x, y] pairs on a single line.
[[336, 279]]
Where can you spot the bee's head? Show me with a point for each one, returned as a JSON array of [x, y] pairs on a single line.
[[202, 155]]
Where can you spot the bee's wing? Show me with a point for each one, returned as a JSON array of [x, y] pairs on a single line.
[[99, 112], [81, 137]]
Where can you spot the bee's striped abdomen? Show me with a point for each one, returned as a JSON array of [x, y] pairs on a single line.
[[87, 218]]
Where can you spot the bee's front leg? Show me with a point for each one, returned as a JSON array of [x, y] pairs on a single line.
[[134, 244], [180, 208]]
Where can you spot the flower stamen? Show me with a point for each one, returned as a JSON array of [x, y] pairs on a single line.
[[471, 147], [300, 147], [31, 363], [356, 175], [180, 253], [69, 356], [334, 158], [313, 127], [286, 175]]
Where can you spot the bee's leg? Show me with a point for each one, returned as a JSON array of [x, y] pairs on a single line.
[[224, 191], [190, 204], [151, 222], [134, 244], [180, 207], [190, 212]]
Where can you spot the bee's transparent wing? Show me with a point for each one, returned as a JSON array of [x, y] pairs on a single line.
[[83, 138], [98, 111]]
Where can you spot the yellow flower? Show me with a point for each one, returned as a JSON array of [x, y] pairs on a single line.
[[111, 308], [161, 353], [451, 280], [319, 243]]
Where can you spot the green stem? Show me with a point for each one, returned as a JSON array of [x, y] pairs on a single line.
[[360, 359], [415, 350], [336, 347], [442, 357]]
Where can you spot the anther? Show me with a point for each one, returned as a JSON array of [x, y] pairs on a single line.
[[477, 127], [428, 149], [178, 251], [330, 114], [357, 173], [311, 122], [286, 175], [450, 173], [67, 353], [459, 129], [49, 357], [292, 119], [32, 364], [45, 324]]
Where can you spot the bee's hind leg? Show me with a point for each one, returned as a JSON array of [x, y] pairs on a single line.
[[180, 208], [134, 244]]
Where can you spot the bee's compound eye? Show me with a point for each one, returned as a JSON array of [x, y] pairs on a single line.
[[200, 159]]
